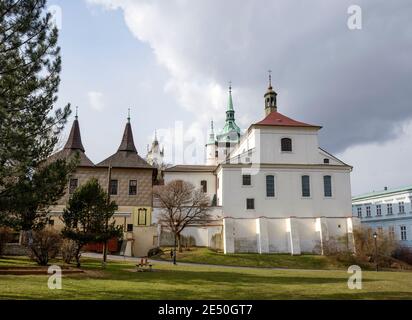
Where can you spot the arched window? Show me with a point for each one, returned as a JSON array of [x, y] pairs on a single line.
[[286, 144]]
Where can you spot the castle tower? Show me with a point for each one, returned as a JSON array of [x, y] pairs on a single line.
[[270, 98], [229, 137], [211, 148]]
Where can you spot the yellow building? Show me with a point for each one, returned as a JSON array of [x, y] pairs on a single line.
[[129, 181]]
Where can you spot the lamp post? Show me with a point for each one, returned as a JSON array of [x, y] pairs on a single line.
[[375, 237], [174, 251]]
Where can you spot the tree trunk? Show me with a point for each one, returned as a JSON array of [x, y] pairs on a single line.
[[179, 242], [79, 247]]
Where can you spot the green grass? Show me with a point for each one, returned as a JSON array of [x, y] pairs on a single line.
[[207, 256], [118, 281]]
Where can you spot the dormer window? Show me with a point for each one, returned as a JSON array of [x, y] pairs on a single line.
[[326, 161], [286, 144]]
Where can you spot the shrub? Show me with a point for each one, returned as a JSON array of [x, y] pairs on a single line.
[[5, 237], [68, 250], [403, 254], [365, 244], [44, 245], [154, 252]]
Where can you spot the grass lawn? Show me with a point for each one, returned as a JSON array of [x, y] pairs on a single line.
[[207, 256], [119, 281]]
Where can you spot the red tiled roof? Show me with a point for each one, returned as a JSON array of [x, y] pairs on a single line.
[[277, 119]]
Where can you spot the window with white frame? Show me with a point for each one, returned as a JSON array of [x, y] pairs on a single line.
[[389, 208], [368, 211], [359, 212], [401, 207], [327, 186], [391, 231], [305, 186], [404, 236], [270, 186], [378, 210]]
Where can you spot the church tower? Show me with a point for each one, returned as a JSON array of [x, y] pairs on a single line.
[[270, 98], [211, 148]]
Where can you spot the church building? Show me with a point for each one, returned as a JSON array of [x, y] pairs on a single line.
[[275, 189]]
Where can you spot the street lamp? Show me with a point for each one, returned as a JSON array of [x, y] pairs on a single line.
[[375, 237]]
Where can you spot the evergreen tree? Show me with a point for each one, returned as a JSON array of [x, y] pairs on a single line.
[[87, 217], [30, 65]]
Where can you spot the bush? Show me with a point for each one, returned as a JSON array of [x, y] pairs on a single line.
[[154, 252], [5, 237], [68, 250], [45, 245], [403, 254]]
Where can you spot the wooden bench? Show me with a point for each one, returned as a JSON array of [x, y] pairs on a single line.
[[144, 265]]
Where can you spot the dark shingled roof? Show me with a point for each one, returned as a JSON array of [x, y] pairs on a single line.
[[126, 156], [72, 147], [75, 140]]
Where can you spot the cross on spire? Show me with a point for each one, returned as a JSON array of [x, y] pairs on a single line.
[[128, 115], [230, 86], [77, 116]]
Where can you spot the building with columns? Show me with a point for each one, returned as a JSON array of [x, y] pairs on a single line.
[[276, 189]]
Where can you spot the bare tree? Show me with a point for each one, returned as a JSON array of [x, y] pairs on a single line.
[[182, 205]]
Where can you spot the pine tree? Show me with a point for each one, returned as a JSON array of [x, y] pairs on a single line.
[[30, 65], [87, 217]]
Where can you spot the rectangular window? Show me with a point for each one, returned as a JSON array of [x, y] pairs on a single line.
[[404, 236], [389, 208], [141, 218], [401, 207], [359, 212], [368, 211], [270, 186], [216, 154], [132, 187], [327, 186], [391, 232], [113, 187], [250, 204], [246, 180], [378, 210], [305, 186], [73, 185], [130, 227], [203, 184]]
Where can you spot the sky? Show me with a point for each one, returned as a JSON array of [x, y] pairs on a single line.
[[170, 61]]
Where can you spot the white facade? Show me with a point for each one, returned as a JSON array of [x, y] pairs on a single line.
[[389, 211], [278, 191]]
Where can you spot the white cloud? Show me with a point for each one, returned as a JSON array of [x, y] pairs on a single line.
[[96, 100], [354, 83]]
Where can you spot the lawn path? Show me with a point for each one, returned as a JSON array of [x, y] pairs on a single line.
[[189, 264]]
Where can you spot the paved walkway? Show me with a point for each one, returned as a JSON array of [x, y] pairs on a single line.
[[137, 260]]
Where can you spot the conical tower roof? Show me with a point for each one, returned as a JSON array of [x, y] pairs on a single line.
[[74, 142], [126, 156], [73, 146]]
